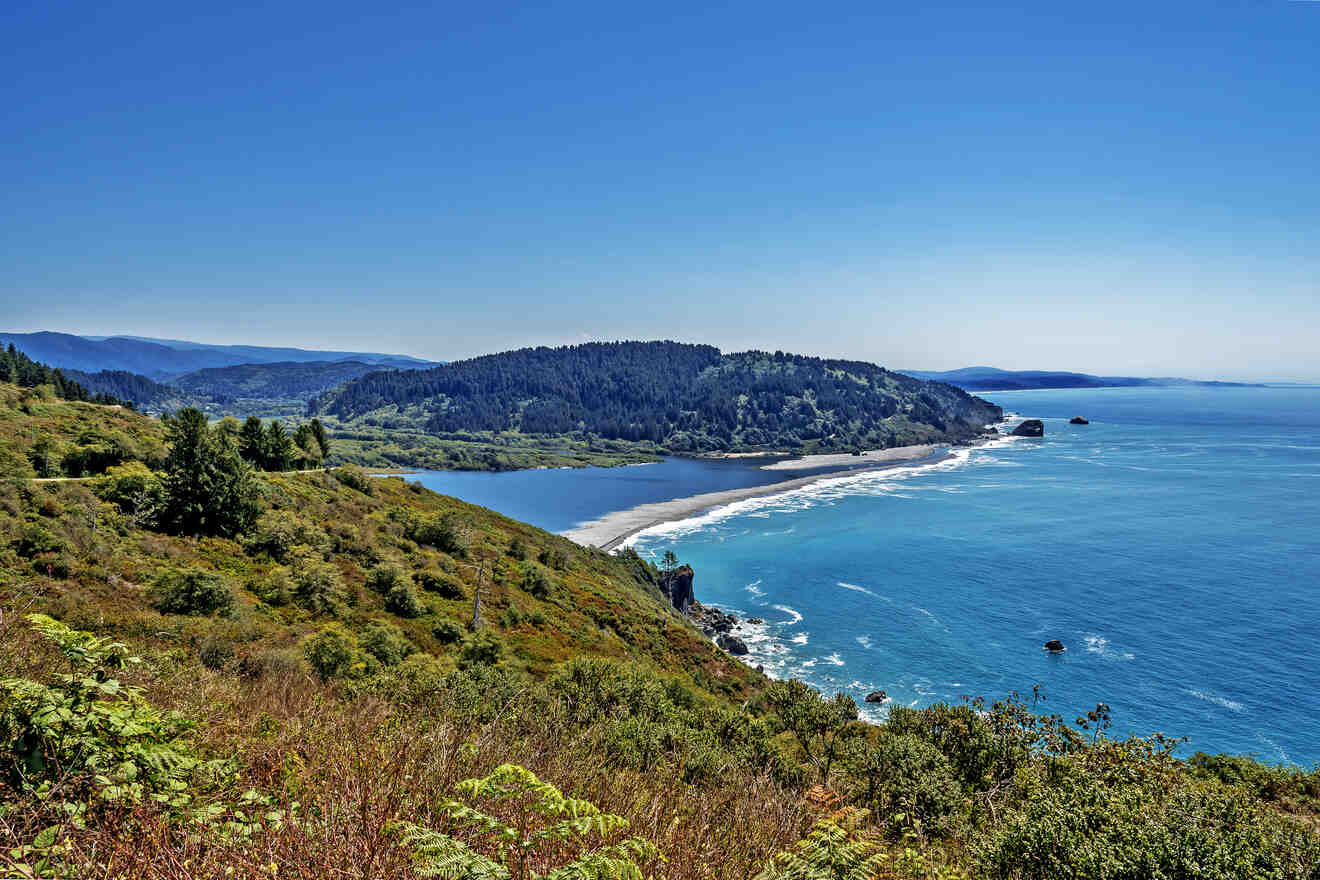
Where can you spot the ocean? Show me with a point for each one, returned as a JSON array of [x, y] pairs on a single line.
[[1171, 544]]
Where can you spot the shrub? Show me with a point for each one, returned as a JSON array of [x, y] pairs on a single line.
[[354, 478], [403, 601], [481, 648], [331, 652], [278, 532], [447, 632], [273, 589], [518, 549], [440, 532], [191, 591], [317, 585], [553, 558], [907, 775], [443, 585], [383, 578], [135, 489], [385, 642], [37, 539], [538, 582]]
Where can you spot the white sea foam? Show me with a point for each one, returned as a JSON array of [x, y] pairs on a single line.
[[799, 639], [834, 659], [857, 589], [794, 616], [1231, 705], [865, 642], [1100, 645], [755, 589]]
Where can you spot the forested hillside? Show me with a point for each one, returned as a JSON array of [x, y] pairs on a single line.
[[18, 369], [213, 672], [288, 380], [681, 398], [145, 394]]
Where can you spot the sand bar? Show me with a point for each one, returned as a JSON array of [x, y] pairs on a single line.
[[844, 459], [613, 529]]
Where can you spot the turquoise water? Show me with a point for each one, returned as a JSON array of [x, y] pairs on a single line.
[[1171, 544]]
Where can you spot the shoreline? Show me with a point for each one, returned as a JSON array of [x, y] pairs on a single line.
[[612, 529]]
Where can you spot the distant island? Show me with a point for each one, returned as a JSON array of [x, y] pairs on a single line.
[[993, 379]]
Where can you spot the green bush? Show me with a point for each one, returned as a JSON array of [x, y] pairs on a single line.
[[278, 532], [331, 652], [900, 774], [383, 578], [538, 582], [317, 585], [37, 539], [191, 591], [481, 648], [443, 585], [354, 477], [447, 632], [385, 642], [403, 601]]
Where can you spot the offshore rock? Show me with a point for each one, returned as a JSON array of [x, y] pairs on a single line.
[[1054, 646], [876, 697], [1078, 420], [677, 586], [732, 644], [1029, 428]]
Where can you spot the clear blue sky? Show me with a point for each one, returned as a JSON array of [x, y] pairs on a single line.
[[1103, 187]]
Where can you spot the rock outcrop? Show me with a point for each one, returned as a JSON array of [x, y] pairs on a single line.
[[1078, 420], [1029, 428], [677, 586], [731, 643], [711, 621], [1054, 646], [876, 697]]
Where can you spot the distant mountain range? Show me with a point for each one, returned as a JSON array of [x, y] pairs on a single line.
[[992, 379], [167, 359]]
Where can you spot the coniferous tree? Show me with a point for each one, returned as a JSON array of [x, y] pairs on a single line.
[[252, 442], [208, 487], [279, 448]]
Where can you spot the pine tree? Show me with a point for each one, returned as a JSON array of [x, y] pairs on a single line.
[[208, 487]]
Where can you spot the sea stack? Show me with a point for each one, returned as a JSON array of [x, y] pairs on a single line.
[[1054, 646], [1078, 420], [1029, 428], [876, 697]]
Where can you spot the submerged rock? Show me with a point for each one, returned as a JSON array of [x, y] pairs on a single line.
[[876, 697], [732, 644], [1078, 420], [755, 621], [1054, 646], [1030, 428]]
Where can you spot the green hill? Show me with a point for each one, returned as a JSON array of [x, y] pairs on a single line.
[[210, 672], [666, 396]]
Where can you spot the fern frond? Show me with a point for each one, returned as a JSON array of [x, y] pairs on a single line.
[[438, 855]]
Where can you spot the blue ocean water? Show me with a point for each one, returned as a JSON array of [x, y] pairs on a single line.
[[1171, 544]]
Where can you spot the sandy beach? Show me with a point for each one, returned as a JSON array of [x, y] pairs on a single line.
[[613, 529]]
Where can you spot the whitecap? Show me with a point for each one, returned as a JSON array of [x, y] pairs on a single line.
[[865, 642], [1231, 705], [834, 659], [799, 639], [755, 589], [1100, 645], [794, 616], [856, 589]]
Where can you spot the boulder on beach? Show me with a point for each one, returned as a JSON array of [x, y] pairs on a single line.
[[876, 697], [1054, 646], [1078, 420], [1030, 428], [732, 644]]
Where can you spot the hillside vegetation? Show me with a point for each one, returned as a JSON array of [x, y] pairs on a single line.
[[671, 396], [214, 672]]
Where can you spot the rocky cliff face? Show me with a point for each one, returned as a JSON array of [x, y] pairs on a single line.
[[677, 586]]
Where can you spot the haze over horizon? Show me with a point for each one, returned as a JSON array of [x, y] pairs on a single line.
[[1127, 190]]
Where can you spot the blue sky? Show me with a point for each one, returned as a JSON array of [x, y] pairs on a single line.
[[1110, 188]]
